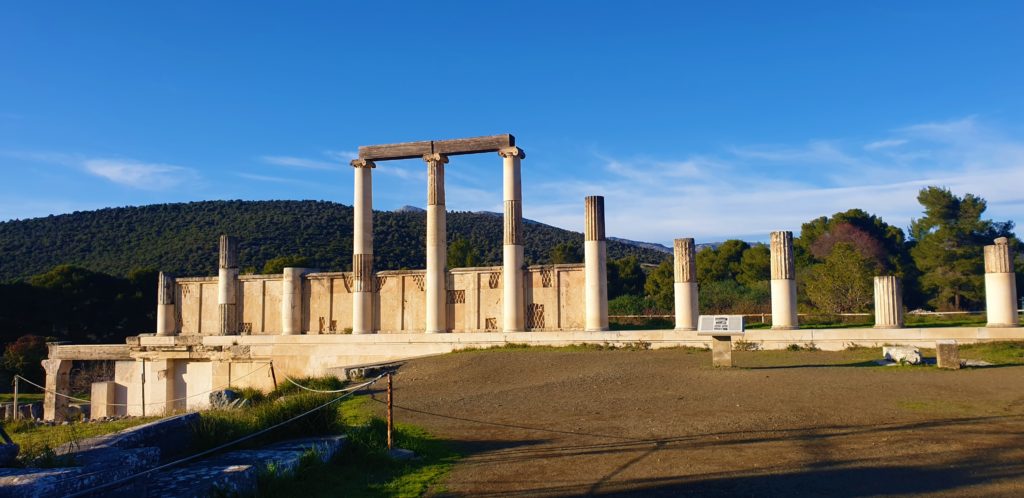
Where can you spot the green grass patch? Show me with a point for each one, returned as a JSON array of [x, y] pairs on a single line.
[[39, 443], [1000, 353], [22, 397], [607, 346]]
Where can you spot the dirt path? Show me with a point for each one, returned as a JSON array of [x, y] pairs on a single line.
[[555, 423]]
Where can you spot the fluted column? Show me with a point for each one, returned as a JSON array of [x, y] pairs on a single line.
[[362, 248], [227, 285], [166, 319], [513, 308], [291, 301], [1000, 285], [685, 276], [888, 303], [595, 269], [783, 281], [437, 246]]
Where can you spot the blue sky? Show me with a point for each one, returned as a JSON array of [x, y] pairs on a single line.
[[712, 120]]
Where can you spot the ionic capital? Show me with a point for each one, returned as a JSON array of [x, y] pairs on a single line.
[[512, 152], [363, 163], [435, 158]]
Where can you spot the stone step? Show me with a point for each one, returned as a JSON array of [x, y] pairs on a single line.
[[237, 472]]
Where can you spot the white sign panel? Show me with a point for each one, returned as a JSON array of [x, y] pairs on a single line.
[[720, 325]]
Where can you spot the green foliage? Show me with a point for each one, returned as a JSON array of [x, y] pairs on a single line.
[[216, 427], [23, 356], [625, 277], [721, 263], [462, 254], [628, 304], [949, 238], [728, 296], [844, 282], [660, 287], [755, 265], [566, 252], [278, 264]]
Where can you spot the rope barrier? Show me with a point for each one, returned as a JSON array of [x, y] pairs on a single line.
[[223, 446], [322, 391], [80, 400]]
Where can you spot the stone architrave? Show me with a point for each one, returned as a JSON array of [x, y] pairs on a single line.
[[227, 285], [783, 284], [58, 380], [437, 246], [362, 248], [291, 301], [166, 321], [595, 266], [888, 302], [1000, 285], [685, 283], [513, 307]]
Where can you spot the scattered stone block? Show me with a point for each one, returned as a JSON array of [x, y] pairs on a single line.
[[902, 354], [947, 354], [401, 454], [223, 398], [975, 363], [104, 396], [721, 351]]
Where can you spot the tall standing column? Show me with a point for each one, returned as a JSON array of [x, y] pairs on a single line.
[[437, 246], [595, 266], [166, 322], [58, 385], [513, 308], [227, 285], [291, 301], [362, 248], [888, 303], [783, 281], [685, 273], [1000, 285]]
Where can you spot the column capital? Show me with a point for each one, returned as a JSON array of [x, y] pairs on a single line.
[[363, 163], [435, 158], [512, 152]]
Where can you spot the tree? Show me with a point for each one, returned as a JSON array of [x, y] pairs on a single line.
[[948, 249], [462, 254], [566, 252], [24, 356], [625, 277], [755, 265], [660, 286], [722, 263], [844, 282], [278, 264]]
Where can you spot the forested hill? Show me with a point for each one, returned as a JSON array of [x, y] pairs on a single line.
[[182, 238]]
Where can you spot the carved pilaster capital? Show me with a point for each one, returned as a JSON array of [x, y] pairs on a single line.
[[512, 152], [435, 158], [363, 163]]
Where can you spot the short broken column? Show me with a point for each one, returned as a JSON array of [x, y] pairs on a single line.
[[888, 302], [1000, 285], [513, 308], [947, 354], [58, 382], [595, 259], [362, 248], [437, 246], [103, 402], [227, 285], [685, 275], [783, 282], [291, 301], [166, 317]]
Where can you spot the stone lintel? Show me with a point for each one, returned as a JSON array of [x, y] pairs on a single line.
[[453, 147]]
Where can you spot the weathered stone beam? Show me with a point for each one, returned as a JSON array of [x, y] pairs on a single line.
[[89, 352], [409, 150]]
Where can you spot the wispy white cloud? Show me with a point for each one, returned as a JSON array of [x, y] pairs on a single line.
[[134, 174], [885, 144], [277, 179], [299, 162]]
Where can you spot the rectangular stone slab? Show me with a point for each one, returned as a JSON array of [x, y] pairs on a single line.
[[410, 150]]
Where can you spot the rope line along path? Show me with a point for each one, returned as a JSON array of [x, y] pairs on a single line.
[[80, 400], [189, 458]]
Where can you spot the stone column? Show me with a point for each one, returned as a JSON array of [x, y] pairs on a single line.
[[1000, 285], [513, 308], [437, 246], [685, 273], [58, 380], [362, 248], [783, 281], [227, 285], [291, 301], [166, 318], [888, 303], [595, 269]]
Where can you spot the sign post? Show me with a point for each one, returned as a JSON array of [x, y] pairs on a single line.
[[721, 328]]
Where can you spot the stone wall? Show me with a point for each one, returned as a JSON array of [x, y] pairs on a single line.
[[553, 298]]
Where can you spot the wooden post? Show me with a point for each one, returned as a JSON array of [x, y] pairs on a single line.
[[273, 376], [391, 419], [15, 417]]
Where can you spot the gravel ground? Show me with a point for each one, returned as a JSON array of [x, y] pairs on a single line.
[[557, 423]]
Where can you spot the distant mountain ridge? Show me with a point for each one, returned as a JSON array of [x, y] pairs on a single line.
[[182, 238]]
